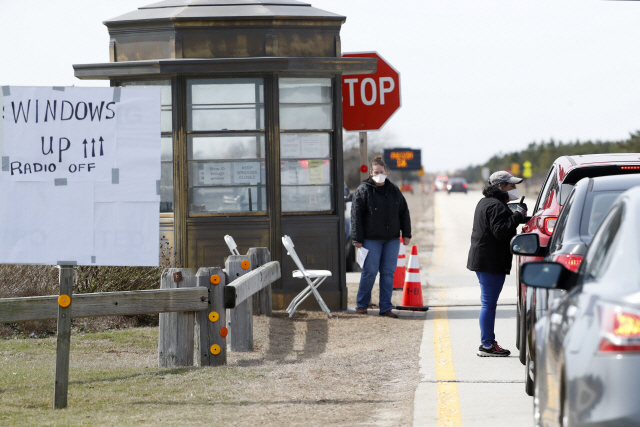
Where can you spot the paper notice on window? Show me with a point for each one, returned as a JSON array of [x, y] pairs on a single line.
[[215, 174], [362, 255], [246, 173], [315, 171], [312, 146], [289, 146]]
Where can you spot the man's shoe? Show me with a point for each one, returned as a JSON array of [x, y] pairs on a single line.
[[361, 310], [494, 351], [389, 314]]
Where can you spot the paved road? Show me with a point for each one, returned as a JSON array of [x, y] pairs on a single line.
[[457, 387]]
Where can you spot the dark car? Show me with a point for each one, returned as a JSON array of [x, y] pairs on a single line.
[[588, 346], [564, 173], [457, 185], [579, 219]]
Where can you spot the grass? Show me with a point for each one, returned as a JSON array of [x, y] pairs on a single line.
[[114, 380]]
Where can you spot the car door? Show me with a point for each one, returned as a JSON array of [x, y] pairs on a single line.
[[561, 319]]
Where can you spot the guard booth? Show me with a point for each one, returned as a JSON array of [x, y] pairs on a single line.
[[251, 128]]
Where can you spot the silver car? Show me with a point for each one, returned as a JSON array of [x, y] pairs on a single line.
[[587, 367]]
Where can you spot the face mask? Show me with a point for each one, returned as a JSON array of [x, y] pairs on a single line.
[[380, 178], [513, 194]]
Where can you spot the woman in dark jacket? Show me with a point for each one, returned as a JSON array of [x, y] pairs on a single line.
[[379, 213], [494, 224]]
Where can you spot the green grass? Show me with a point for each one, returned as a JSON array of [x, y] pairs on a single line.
[[114, 380]]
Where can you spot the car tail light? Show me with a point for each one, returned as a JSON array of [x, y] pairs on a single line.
[[549, 225], [629, 167], [620, 330], [464, 185], [572, 262]]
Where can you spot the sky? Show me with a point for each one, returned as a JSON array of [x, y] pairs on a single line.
[[478, 77]]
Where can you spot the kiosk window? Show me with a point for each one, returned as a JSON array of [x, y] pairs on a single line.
[[306, 172], [226, 146]]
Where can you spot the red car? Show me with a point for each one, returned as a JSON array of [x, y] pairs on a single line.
[[565, 172]]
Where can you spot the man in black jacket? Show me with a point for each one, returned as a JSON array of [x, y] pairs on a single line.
[[494, 224]]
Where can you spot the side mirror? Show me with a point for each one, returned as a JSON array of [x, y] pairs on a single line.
[[547, 275], [527, 244]]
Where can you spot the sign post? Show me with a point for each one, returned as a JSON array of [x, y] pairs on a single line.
[[369, 101]]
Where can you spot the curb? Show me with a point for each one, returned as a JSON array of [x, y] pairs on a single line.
[[403, 314]]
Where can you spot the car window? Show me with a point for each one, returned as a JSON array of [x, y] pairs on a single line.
[[595, 208], [545, 189], [598, 255], [558, 234]]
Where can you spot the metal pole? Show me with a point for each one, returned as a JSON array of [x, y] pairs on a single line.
[[364, 157], [64, 336]]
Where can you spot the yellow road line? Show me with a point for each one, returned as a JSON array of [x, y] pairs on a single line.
[[448, 401]]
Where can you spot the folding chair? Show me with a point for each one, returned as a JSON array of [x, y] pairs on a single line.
[[232, 245], [318, 275]]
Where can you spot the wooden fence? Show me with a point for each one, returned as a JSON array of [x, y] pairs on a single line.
[[215, 302]]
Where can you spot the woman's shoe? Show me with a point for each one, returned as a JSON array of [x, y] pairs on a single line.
[[494, 351], [389, 314]]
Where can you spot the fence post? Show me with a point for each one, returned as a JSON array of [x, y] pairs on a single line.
[[175, 339], [262, 304], [211, 332], [240, 318], [63, 343]]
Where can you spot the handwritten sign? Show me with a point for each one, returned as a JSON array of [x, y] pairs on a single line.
[[53, 134], [216, 174], [247, 173], [80, 176], [290, 146]]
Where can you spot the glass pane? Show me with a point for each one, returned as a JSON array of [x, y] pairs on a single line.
[[305, 172], [304, 145], [227, 199], [306, 199], [226, 173], [166, 148], [225, 117], [166, 187], [165, 90], [225, 91], [226, 147], [306, 116], [165, 119], [305, 91]]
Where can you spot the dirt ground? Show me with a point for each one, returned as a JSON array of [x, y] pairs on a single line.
[[306, 371]]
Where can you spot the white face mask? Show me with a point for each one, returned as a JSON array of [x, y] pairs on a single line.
[[513, 194], [379, 178]]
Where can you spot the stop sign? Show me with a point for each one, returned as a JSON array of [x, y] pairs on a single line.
[[369, 100]]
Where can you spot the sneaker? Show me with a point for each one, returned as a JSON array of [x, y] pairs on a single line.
[[494, 351], [389, 314], [361, 310]]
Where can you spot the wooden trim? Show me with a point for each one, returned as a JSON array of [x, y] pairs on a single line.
[[245, 286]]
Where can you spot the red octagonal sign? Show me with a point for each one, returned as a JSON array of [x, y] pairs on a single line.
[[369, 100]]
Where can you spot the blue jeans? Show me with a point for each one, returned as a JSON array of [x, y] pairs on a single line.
[[383, 257], [490, 288]]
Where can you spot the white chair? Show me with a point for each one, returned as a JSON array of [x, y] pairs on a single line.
[[302, 273], [232, 245]]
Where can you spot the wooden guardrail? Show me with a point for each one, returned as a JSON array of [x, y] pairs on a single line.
[[215, 302]]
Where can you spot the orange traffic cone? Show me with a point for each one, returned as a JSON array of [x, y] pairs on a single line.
[[398, 277], [412, 292]]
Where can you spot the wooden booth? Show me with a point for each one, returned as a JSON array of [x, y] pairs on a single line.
[[251, 128]]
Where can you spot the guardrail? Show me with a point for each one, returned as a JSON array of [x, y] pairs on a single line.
[[215, 302]]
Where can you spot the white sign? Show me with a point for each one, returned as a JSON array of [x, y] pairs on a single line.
[[97, 203], [247, 173], [216, 174], [55, 133], [290, 146], [312, 146]]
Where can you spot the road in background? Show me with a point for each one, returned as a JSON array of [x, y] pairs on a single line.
[[468, 390]]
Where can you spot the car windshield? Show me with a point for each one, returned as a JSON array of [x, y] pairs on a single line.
[[596, 206]]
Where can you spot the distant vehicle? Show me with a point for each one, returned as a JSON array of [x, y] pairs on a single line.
[[457, 184], [440, 183], [564, 173], [588, 346], [407, 188], [579, 220]]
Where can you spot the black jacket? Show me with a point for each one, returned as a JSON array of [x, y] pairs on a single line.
[[379, 213], [493, 227]]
